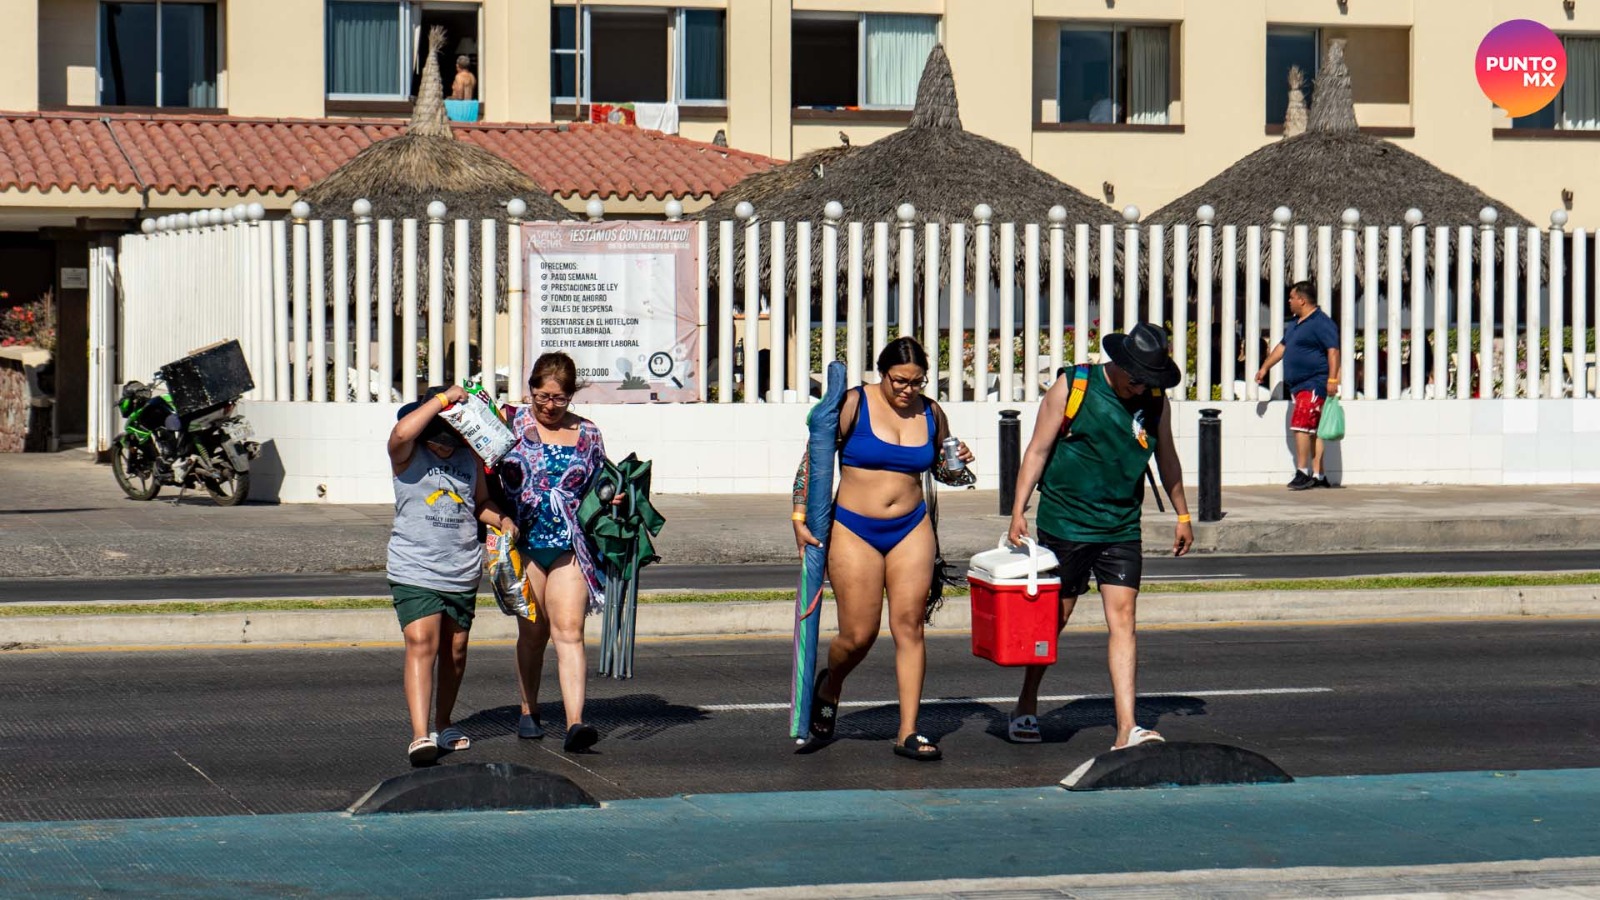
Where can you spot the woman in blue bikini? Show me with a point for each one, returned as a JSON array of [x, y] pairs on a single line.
[[883, 542]]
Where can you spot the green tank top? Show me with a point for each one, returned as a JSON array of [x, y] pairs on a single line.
[[1092, 490]]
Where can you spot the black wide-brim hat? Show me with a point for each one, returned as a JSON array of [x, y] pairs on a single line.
[[1142, 353]]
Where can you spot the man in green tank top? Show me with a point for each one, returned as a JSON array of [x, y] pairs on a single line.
[[1090, 449]]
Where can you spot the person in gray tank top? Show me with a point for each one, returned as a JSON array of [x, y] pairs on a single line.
[[435, 561]]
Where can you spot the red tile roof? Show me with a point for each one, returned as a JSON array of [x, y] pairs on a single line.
[[183, 154]]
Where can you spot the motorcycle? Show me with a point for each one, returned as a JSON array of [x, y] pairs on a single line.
[[208, 448]]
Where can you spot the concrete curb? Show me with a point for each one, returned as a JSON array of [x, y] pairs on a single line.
[[672, 620]]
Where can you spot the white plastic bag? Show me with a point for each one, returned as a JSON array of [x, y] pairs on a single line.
[[482, 430]]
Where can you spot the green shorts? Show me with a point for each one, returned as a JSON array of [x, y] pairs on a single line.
[[412, 603]]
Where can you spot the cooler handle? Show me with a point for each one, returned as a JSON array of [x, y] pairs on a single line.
[[1033, 566]]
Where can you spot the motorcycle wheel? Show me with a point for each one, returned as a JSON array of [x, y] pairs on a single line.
[[230, 491], [134, 469]]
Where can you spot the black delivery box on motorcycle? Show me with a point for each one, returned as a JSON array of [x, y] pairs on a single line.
[[208, 377]]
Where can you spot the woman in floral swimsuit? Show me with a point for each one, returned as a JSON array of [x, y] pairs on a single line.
[[546, 475]]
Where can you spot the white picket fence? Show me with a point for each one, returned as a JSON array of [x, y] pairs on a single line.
[[318, 335]]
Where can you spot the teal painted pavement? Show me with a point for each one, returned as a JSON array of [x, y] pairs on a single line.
[[708, 842]]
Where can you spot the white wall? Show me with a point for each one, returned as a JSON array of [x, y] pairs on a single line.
[[739, 449]]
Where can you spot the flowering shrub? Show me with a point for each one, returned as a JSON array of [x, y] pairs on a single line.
[[30, 324]]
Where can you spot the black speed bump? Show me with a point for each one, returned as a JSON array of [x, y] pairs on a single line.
[[471, 786], [1174, 764]]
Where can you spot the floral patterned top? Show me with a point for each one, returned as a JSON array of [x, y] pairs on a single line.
[[545, 483]]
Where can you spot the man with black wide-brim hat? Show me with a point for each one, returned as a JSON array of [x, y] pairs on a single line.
[[1098, 426]]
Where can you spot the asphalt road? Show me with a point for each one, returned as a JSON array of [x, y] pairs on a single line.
[[759, 577], [236, 731]]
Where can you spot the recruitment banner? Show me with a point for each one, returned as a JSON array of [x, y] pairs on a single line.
[[620, 298]]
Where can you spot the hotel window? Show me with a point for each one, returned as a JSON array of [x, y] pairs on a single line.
[[1115, 74], [638, 56], [866, 60], [1577, 107], [158, 54], [1288, 47], [376, 49]]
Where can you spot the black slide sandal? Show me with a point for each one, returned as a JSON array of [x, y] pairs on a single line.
[[916, 747], [824, 715]]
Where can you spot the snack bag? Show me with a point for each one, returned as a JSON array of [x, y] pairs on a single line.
[[502, 562], [475, 420]]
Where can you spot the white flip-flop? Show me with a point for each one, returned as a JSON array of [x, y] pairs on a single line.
[[1024, 730], [423, 751], [1140, 736]]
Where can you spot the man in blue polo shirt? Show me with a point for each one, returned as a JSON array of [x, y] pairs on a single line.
[[1310, 354]]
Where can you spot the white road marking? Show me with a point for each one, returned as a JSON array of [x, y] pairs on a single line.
[[1059, 698]]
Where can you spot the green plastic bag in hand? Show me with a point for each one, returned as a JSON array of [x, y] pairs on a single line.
[[1331, 428]]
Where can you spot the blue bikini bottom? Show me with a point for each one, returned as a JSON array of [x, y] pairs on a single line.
[[882, 535]]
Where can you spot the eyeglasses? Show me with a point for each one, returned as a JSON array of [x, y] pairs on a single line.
[[901, 384], [558, 400]]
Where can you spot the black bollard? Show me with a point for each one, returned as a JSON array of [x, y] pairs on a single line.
[[1210, 465], [1010, 457]]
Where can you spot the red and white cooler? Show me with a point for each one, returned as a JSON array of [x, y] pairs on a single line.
[[1015, 610]]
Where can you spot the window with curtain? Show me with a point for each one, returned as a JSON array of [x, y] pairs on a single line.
[[368, 49], [158, 54], [897, 49], [1286, 48], [867, 60], [1580, 96], [1115, 74], [1577, 107], [566, 62], [638, 56], [703, 48]]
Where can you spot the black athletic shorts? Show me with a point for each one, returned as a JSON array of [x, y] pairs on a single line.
[[1120, 564]]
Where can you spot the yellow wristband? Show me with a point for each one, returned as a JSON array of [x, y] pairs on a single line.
[[798, 517], [444, 402], [1184, 519]]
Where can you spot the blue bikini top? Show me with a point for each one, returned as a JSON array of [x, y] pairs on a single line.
[[865, 450]]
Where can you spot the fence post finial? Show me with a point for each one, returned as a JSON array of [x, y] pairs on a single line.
[[437, 210], [1281, 217], [1413, 217], [1558, 220], [674, 210], [1488, 216], [1130, 215], [363, 210], [516, 208], [596, 210], [983, 212], [300, 211], [1206, 214], [744, 211], [833, 211]]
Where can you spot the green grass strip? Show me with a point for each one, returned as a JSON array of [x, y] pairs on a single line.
[[486, 603]]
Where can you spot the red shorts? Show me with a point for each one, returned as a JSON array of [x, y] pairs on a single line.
[[1307, 412]]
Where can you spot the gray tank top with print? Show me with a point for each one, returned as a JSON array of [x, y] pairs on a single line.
[[434, 543]]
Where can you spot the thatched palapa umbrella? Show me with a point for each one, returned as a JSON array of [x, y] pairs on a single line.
[[935, 165], [1328, 169], [402, 175]]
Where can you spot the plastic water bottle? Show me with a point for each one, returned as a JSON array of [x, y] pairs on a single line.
[[952, 455]]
